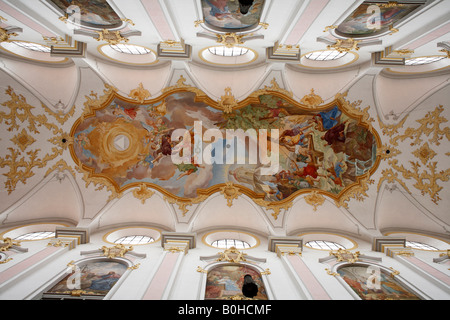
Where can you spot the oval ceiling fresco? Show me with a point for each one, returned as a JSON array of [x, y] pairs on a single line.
[[185, 144], [373, 18], [225, 14], [90, 13]]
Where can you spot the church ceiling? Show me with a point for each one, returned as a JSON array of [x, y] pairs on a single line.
[[350, 134]]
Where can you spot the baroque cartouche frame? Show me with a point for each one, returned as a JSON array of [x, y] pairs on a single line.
[[228, 103]]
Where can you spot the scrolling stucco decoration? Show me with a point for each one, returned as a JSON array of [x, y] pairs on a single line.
[[22, 163], [125, 142], [424, 172]]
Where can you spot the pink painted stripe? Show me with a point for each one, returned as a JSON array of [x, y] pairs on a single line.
[[306, 20], [309, 280], [159, 282], [25, 20], [159, 20], [429, 269], [27, 263], [429, 37]]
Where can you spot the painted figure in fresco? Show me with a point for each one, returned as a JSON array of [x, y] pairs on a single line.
[[228, 280], [82, 140], [357, 278], [96, 13], [105, 282], [362, 20], [219, 8], [328, 119], [323, 149], [165, 148]]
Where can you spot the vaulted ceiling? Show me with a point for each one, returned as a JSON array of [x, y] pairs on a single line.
[[43, 96]]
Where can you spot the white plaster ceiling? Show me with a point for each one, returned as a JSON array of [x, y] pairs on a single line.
[[391, 95]]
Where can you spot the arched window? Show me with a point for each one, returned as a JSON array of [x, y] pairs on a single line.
[[371, 282], [226, 280], [87, 280], [324, 245], [325, 55], [130, 49], [419, 245], [32, 46], [38, 235], [133, 240], [228, 52], [229, 243], [422, 60]]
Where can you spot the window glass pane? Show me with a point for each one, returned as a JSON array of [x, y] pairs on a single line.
[[419, 245], [228, 243], [36, 235], [32, 46], [422, 60], [228, 52], [134, 240], [326, 55], [129, 49], [324, 245]]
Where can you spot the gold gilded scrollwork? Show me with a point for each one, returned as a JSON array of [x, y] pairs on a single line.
[[266, 272], [60, 116], [230, 192], [22, 164], [119, 250], [394, 272], [359, 191], [424, 172], [143, 193], [312, 100], [274, 206], [331, 273], [111, 37], [228, 103], [345, 255], [201, 270], [274, 88], [315, 199], [134, 267], [139, 94], [5, 35], [232, 255], [8, 243], [345, 45], [229, 39], [23, 140]]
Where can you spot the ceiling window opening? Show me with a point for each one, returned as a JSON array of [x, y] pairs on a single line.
[[326, 55], [324, 245], [422, 60], [38, 235], [419, 245], [32, 46], [135, 240], [129, 49], [228, 243], [228, 52]]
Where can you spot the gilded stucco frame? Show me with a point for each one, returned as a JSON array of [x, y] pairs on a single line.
[[227, 104]]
